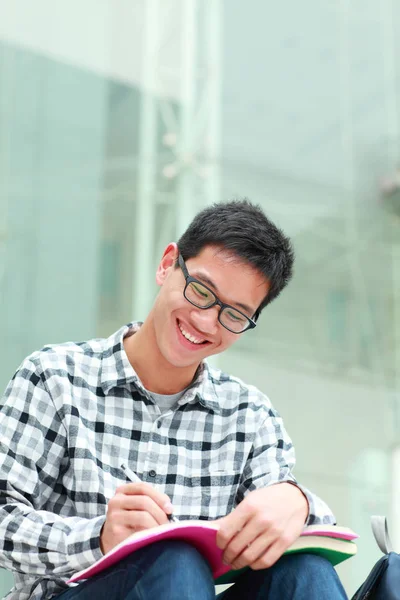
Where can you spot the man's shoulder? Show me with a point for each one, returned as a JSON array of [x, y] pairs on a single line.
[[77, 351], [79, 358], [67, 357], [228, 385]]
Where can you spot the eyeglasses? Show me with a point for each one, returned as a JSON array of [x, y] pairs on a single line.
[[202, 297]]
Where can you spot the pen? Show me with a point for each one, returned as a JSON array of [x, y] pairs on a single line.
[[135, 479]]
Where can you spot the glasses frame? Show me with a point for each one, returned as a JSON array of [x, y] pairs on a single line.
[[189, 279]]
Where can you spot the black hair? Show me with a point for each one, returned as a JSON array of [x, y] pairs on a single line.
[[243, 229]]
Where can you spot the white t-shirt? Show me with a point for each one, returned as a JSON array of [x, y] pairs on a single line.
[[166, 401]]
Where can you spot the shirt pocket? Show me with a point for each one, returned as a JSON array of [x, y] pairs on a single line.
[[213, 491]]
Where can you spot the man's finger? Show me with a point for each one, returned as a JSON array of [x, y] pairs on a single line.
[[139, 521], [269, 558], [230, 526], [145, 489], [251, 553], [142, 504], [247, 545]]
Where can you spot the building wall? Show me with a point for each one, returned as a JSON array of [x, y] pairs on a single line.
[[304, 120]]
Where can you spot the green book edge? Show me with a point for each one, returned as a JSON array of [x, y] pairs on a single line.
[[334, 556]]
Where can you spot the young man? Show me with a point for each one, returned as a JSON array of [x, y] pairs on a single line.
[[204, 444]]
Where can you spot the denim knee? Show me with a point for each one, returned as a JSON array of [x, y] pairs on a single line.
[[183, 555], [308, 564], [180, 570]]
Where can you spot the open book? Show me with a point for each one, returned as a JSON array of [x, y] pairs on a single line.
[[334, 543]]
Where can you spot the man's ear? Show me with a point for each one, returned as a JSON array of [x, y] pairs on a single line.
[[167, 262]]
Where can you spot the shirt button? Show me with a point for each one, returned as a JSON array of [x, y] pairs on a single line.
[[152, 473]]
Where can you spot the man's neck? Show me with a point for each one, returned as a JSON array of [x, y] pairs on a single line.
[[156, 374]]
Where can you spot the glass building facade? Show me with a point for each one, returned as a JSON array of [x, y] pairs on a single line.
[[120, 119]]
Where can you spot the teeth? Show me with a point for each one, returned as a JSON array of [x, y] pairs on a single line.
[[189, 337]]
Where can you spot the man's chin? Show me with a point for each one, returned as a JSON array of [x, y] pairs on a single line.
[[187, 362]]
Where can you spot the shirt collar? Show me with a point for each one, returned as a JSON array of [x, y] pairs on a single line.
[[116, 370], [202, 389]]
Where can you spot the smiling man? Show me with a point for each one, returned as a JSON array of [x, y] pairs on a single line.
[[203, 443]]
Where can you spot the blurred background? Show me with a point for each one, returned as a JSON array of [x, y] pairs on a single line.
[[120, 119]]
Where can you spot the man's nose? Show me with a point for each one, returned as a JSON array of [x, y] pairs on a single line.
[[206, 320]]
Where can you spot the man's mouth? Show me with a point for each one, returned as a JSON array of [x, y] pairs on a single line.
[[197, 341]]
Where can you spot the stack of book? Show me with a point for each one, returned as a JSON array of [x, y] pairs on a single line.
[[333, 542]]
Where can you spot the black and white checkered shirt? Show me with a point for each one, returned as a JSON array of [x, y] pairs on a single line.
[[74, 412]]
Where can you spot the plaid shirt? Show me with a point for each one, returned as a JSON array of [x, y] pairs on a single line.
[[74, 412]]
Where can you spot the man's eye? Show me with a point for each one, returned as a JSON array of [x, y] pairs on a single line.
[[235, 316], [200, 291]]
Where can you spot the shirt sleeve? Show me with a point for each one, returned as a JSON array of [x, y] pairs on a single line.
[[33, 444], [272, 460]]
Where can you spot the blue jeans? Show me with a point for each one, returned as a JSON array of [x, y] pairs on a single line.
[[174, 570]]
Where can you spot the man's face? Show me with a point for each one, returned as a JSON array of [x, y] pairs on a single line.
[[176, 320]]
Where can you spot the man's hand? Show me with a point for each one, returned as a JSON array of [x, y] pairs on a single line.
[[134, 507], [263, 526]]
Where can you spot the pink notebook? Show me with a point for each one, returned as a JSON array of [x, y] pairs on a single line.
[[332, 531], [202, 535]]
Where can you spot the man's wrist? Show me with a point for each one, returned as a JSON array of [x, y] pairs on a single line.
[[302, 496]]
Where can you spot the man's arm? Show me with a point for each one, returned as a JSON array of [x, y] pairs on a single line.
[[272, 460], [32, 445], [273, 508]]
